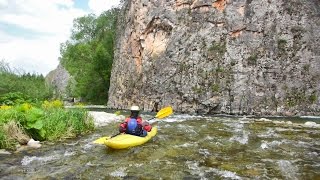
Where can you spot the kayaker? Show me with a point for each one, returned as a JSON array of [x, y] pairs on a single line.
[[134, 124]]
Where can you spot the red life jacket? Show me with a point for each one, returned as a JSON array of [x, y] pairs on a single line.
[[124, 125]]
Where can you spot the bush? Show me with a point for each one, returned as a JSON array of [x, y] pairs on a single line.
[[13, 98], [50, 122]]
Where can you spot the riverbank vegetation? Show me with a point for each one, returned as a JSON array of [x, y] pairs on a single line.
[[50, 121], [16, 87], [88, 56], [25, 113]]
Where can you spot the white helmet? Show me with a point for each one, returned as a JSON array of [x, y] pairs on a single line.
[[134, 108]]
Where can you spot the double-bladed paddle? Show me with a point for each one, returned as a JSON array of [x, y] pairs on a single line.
[[164, 112]]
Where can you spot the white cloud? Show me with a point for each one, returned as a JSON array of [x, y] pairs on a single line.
[[37, 29], [3, 3], [32, 55], [98, 6]]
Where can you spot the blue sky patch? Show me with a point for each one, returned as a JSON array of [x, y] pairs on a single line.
[[81, 4]]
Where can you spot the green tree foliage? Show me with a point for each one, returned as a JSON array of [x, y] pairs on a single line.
[[88, 56], [16, 88]]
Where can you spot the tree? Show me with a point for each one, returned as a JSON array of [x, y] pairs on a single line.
[[88, 55]]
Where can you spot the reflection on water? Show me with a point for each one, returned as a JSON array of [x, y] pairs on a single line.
[[186, 147]]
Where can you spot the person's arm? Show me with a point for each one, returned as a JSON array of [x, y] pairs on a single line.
[[146, 126], [123, 126]]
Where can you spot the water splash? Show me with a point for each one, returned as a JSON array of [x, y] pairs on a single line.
[[67, 153], [270, 145], [180, 118], [43, 160], [288, 170], [204, 152], [269, 134], [228, 174], [187, 129], [119, 172], [88, 147], [241, 135], [241, 138], [185, 145], [195, 169]]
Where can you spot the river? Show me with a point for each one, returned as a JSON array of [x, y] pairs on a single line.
[[186, 147]]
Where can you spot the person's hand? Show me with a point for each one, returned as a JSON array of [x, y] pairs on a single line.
[[145, 123], [122, 129]]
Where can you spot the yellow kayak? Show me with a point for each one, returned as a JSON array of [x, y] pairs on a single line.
[[124, 141]]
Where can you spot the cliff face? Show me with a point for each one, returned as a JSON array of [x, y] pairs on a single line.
[[219, 56], [58, 79]]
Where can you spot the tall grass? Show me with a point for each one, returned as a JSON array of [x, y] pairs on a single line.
[[61, 123], [48, 122]]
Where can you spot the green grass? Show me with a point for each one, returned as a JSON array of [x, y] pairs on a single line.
[[44, 124]]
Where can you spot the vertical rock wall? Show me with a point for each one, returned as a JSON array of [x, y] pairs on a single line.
[[58, 79], [257, 57]]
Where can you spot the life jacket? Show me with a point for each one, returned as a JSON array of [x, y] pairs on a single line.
[[133, 127]]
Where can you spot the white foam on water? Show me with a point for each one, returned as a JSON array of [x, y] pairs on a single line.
[[313, 154], [195, 169], [88, 146], [270, 145], [180, 118], [187, 129], [209, 138], [269, 134], [28, 159], [310, 117], [119, 172], [103, 118], [279, 129], [67, 153], [200, 171], [302, 144], [90, 164], [241, 138], [311, 124], [264, 146], [136, 165], [240, 135], [288, 169], [224, 173], [186, 145], [204, 152], [228, 174]]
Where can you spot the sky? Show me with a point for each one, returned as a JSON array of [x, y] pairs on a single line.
[[31, 31]]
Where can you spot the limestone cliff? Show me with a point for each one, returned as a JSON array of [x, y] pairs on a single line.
[[257, 57], [58, 79]]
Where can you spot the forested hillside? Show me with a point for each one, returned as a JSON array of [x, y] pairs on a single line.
[[18, 87]]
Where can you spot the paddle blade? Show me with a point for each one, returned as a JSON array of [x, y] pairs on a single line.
[[101, 140], [167, 111]]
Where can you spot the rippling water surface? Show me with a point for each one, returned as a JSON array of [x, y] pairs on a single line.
[[186, 147]]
